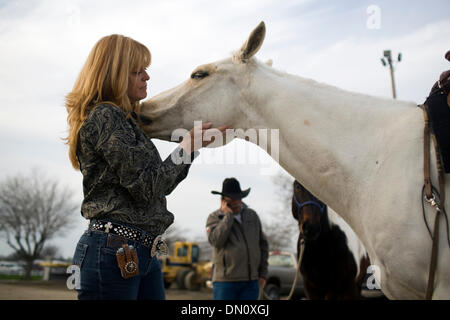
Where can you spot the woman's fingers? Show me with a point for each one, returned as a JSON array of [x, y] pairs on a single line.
[[215, 134], [206, 125], [203, 135], [224, 128], [201, 127]]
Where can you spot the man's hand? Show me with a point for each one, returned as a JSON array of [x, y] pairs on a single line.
[[234, 205], [224, 207], [262, 282]]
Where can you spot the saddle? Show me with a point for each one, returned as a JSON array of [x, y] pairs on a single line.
[[438, 103]]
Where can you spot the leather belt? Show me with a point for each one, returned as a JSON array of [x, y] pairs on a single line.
[[154, 243]]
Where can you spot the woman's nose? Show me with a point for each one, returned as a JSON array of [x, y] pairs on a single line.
[[146, 76]]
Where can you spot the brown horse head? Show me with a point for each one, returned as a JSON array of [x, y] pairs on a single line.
[[310, 212]]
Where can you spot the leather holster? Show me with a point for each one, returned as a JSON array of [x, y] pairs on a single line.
[[127, 261]]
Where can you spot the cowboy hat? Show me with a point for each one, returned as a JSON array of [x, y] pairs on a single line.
[[232, 189]]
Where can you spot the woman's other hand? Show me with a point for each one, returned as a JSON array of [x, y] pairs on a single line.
[[195, 138]]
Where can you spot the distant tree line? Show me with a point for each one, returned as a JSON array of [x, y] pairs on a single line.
[[33, 210]]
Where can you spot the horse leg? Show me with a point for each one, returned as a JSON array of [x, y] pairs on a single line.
[[351, 293], [341, 293], [330, 295], [344, 289]]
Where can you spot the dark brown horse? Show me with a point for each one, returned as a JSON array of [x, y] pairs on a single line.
[[334, 261]]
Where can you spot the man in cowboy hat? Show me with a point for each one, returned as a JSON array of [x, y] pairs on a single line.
[[240, 248]]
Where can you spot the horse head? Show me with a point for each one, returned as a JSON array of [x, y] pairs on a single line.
[[216, 92], [310, 212]]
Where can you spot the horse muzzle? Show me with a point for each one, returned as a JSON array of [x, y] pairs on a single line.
[[310, 232]]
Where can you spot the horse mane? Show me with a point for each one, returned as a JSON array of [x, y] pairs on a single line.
[[369, 100]]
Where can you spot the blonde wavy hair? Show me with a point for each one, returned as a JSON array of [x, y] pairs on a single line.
[[104, 78]]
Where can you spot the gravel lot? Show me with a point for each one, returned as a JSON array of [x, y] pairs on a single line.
[[57, 290]]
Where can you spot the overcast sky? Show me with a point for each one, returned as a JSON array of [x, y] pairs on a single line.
[[43, 45]]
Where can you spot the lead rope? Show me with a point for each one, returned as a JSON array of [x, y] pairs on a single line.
[[302, 247], [297, 272], [299, 263]]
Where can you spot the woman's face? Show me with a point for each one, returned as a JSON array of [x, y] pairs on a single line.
[[137, 85]]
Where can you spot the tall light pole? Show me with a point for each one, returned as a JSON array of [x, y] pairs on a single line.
[[387, 60]]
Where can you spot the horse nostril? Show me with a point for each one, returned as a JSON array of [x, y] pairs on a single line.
[[306, 228], [145, 120]]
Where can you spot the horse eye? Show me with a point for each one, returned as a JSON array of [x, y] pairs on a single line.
[[199, 75]]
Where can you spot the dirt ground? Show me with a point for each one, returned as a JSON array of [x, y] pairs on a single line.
[[57, 290]]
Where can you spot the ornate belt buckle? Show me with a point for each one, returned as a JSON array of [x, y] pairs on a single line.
[[159, 247]]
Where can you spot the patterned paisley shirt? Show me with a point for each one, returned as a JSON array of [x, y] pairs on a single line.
[[124, 177]]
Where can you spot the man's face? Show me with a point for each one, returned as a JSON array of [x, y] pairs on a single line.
[[235, 205]]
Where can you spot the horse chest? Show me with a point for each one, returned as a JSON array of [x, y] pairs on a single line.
[[328, 260]]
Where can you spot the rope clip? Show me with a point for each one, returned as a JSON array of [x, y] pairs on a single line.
[[433, 203]]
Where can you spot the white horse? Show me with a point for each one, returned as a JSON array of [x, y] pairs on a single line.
[[362, 155]]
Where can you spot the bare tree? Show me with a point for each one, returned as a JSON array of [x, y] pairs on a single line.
[[205, 247], [33, 210], [174, 233], [281, 229], [50, 251]]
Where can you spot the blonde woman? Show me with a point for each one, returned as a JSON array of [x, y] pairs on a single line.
[[125, 181]]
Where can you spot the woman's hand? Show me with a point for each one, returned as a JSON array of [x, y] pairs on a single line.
[[262, 282], [195, 138]]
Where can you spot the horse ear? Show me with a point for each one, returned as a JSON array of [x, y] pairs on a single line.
[[253, 43]]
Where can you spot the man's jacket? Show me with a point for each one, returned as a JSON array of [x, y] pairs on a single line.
[[240, 250]]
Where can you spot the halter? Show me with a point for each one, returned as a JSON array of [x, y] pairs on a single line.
[[300, 205]]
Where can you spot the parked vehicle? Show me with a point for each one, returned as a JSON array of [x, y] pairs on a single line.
[[10, 268], [281, 275]]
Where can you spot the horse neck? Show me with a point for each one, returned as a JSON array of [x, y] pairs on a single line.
[[325, 133], [325, 222]]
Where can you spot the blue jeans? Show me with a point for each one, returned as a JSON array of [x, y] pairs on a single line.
[[236, 290], [100, 276]]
